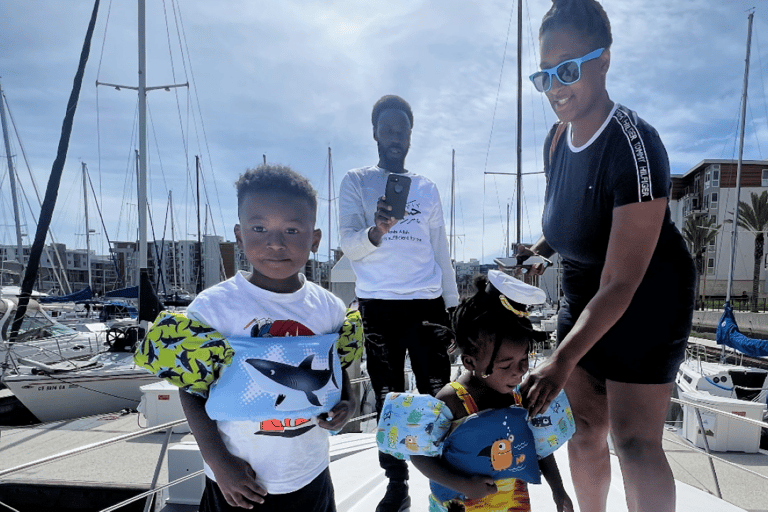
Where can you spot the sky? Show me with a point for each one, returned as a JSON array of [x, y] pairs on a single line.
[[285, 81]]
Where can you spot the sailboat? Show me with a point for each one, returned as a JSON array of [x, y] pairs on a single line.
[[109, 381], [738, 389], [40, 336]]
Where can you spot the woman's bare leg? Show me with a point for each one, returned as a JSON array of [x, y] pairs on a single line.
[[637, 415], [588, 449]]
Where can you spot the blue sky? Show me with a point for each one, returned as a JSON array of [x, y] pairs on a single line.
[[289, 79]]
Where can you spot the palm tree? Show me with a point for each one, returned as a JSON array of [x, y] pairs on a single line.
[[755, 218], [699, 232]]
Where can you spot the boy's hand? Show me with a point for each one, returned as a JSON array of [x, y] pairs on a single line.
[[477, 487], [237, 482], [337, 417], [562, 500]]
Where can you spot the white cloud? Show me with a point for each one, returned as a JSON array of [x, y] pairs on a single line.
[[288, 79]]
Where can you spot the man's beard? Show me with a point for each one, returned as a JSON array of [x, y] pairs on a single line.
[[391, 163]]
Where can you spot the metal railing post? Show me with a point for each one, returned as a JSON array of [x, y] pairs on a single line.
[[160, 459], [706, 447]]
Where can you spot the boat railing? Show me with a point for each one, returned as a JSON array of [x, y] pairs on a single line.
[[364, 382], [706, 451], [154, 489]]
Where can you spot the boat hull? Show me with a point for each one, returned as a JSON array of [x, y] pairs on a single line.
[[112, 385], [722, 387]]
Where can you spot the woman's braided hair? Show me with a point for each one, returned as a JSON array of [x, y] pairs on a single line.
[[484, 313], [586, 16]]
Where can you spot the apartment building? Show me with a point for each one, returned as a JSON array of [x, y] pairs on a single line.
[[709, 188]]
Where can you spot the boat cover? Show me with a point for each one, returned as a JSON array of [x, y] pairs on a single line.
[[77, 296], [130, 292], [728, 334]]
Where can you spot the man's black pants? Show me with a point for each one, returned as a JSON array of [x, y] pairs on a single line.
[[393, 327]]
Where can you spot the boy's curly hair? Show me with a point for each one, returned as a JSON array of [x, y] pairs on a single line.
[[275, 178], [484, 313]]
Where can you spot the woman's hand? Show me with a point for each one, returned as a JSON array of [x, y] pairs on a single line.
[[544, 383]]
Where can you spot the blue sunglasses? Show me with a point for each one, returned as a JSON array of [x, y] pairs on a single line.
[[568, 72]]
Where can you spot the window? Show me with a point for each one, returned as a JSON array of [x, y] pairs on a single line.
[[764, 178], [713, 201], [697, 181], [716, 175], [706, 178], [710, 265], [706, 202]]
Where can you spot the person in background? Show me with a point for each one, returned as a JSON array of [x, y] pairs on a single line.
[[405, 278], [628, 277]]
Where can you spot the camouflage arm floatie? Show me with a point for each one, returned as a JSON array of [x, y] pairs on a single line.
[[187, 353], [350, 344]]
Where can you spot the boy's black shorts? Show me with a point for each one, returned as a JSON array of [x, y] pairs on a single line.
[[316, 496]]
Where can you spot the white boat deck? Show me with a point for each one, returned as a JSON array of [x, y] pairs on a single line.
[[360, 484], [358, 480]]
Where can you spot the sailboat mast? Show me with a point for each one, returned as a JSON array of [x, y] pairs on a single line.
[[199, 286], [142, 193], [453, 203], [87, 227], [738, 165], [330, 195], [12, 179], [519, 120], [174, 247]]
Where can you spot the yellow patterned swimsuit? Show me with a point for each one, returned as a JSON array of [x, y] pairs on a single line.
[[512, 493]]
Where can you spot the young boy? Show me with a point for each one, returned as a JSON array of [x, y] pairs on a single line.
[[248, 464]]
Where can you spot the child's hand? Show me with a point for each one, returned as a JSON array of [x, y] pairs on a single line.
[[477, 487], [337, 417], [562, 500], [237, 481]]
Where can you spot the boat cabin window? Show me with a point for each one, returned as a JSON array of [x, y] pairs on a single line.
[[36, 326]]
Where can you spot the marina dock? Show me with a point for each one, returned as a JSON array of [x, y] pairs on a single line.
[[99, 478]]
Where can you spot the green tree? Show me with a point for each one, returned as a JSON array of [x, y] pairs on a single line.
[[754, 218], [699, 231]]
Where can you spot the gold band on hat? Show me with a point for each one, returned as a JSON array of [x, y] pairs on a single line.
[[506, 304]]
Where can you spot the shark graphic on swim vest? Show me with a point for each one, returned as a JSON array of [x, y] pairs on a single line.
[[287, 378], [294, 376]]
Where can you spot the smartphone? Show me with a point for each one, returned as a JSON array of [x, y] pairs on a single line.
[[396, 193], [527, 267]]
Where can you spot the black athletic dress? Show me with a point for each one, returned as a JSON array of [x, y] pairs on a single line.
[[625, 162]]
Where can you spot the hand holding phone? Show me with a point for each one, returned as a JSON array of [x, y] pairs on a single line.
[[536, 268], [396, 194]]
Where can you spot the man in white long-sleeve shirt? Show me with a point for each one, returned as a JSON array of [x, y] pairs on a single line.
[[405, 278]]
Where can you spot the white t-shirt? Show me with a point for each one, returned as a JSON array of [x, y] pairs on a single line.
[[282, 460], [412, 261]]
